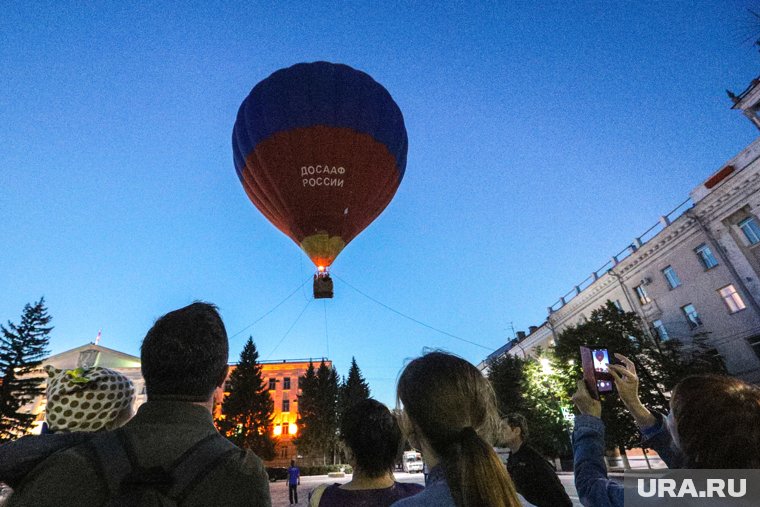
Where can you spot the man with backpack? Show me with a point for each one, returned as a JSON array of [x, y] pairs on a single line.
[[170, 453]]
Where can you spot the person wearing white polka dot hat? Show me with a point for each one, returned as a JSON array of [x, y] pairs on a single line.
[[87, 399], [81, 402]]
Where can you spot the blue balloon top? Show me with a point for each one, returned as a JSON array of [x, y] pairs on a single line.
[[319, 93]]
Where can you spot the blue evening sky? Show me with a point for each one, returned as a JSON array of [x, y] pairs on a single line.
[[543, 137]]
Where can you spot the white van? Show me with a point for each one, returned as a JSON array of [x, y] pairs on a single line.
[[412, 462]]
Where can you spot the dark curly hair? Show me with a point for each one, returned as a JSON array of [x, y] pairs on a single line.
[[373, 435]]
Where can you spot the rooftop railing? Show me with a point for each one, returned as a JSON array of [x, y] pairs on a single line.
[[637, 243]]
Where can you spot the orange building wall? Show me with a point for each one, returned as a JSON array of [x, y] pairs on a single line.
[[284, 423]]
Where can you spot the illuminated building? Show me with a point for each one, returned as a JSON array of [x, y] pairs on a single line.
[[282, 378]]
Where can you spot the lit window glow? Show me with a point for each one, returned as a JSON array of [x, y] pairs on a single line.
[[732, 299]]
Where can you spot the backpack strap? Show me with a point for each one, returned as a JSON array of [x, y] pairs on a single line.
[[109, 457], [197, 462], [114, 460]]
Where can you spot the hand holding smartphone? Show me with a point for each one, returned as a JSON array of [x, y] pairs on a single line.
[[596, 371]]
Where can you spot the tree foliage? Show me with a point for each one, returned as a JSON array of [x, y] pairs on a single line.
[[353, 389], [660, 364], [247, 407], [533, 388], [318, 413], [506, 376], [22, 348]]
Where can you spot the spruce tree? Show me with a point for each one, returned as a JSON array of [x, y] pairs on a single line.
[[328, 389], [307, 440], [353, 389], [356, 388], [247, 408], [318, 413], [22, 348]]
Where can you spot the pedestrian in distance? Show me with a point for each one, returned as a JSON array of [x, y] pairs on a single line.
[[535, 479], [373, 442], [449, 411], [714, 423], [294, 480], [169, 453]]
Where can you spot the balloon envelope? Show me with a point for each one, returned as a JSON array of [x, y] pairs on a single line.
[[320, 149]]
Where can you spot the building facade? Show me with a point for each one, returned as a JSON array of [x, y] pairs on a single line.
[[695, 273], [84, 356], [281, 376]]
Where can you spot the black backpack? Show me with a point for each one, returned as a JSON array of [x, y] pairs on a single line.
[[129, 484]]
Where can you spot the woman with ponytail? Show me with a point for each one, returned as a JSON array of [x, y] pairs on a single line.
[[449, 411]]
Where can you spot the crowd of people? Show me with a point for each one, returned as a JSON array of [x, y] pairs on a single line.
[[94, 451]]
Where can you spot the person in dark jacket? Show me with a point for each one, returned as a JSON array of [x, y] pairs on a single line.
[[172, 446], [535, 479]]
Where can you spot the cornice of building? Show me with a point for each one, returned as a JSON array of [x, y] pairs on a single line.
[[676, 233], [604, 284], [749, 97], [92, 346], [718, 204]]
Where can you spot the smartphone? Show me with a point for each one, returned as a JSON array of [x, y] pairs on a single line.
[[596, 371]]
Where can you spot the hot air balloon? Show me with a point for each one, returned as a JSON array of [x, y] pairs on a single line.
[[320, 149]]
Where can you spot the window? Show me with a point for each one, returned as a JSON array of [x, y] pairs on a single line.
[[272, 384], [706, 256], [732, 299], [671, 277], [692, 317], [618, 305], [286, 405], [643, 296], [754, 342], [286, 383], [751, 230], [659, 328]]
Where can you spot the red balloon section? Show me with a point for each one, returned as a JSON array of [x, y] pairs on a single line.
[[320, 149]]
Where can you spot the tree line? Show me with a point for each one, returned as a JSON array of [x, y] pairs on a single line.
[[248, 409]]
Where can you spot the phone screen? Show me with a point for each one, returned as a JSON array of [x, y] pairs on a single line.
[[601, 360]]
